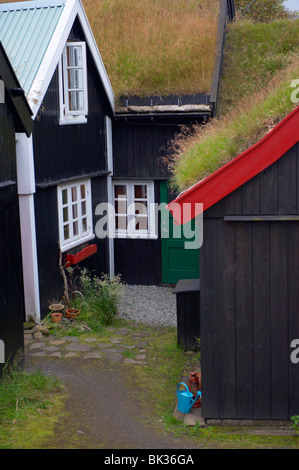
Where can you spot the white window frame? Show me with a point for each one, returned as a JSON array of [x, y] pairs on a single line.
[[151, 232], [82, 236], [68, 116]]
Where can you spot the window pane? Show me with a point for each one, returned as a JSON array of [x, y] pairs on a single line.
[[84, 225], [66, 232], [120, 207], [141, 208], [74, 56], [83, 208], [121, 223], [75, 228], [76, 100], [75, 211], [75, 78], [64, 196], [140, 191], [74, 194], [141, 223], [65, 214], [120, 191], [82, 188]]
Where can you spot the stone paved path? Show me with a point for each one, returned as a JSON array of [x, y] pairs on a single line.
[[126, 345]]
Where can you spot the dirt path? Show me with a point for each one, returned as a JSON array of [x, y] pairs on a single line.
[[102, 411]]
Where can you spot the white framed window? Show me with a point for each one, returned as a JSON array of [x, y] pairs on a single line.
[[74, 214], [73, 84], [134, 209]]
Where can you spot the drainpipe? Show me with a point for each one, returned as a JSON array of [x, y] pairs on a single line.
[[26, 190]]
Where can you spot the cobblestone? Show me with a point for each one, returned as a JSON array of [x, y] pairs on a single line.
[[114, 347]]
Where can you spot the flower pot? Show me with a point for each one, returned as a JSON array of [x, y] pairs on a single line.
[[72, 313], [56, 317]]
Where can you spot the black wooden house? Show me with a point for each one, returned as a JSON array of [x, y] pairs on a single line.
[[65, 165], [142, 131], [249, 278], [15, 116], [84, 152]]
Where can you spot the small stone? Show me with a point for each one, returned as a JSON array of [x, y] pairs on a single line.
[[55, 354], [140, 357], [77, 347], [116, 340], [57, 342], [93, 355], [90, 340], [131, 347], [37, 345], [37, 335], [38, 354], [114, 357], [51, 348], [74, 339], [71, 354], [104, 345]]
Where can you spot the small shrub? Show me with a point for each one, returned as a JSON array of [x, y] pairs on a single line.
[[99, 300]]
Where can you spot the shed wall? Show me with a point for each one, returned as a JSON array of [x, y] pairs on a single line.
[[249, 298]]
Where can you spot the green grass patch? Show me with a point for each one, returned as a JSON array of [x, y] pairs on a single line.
[[27, 401]]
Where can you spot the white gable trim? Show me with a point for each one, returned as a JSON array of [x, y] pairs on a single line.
[[51, 59]]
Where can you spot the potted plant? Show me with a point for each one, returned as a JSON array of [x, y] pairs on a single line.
[[72, 313], [56, 317]]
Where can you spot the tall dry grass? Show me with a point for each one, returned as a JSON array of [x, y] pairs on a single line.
[[156, 46]]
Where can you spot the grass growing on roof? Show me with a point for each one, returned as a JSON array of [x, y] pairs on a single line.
[[156, 47], [253, 54], [199, 153]]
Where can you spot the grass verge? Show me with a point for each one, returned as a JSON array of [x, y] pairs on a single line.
[[29, 403]]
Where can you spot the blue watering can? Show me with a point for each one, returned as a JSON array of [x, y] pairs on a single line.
[[185, 401]]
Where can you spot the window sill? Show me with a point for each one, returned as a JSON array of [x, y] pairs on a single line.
[[70, 120], [76, 243]]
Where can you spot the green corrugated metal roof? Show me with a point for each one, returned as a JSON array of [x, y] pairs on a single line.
[[26, 29]]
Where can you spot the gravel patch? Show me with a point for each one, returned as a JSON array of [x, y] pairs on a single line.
[[151, 305]]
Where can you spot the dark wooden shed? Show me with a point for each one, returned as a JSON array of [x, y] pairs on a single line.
[[15, 116], [249, 274]]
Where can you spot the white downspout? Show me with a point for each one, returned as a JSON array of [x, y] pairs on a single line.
[[110, 191], [26, 190]]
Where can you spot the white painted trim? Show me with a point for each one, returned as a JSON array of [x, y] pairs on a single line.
[[81, 237], [52, 57], [109, 149], [26, 190], [151, 233], [29, 257]]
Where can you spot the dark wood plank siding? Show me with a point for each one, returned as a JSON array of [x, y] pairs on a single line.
[[139, 147], [47, 234], [11, 280], [249, 299], [271, 192]]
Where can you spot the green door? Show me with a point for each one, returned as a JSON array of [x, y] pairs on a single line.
[[177, 261]]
